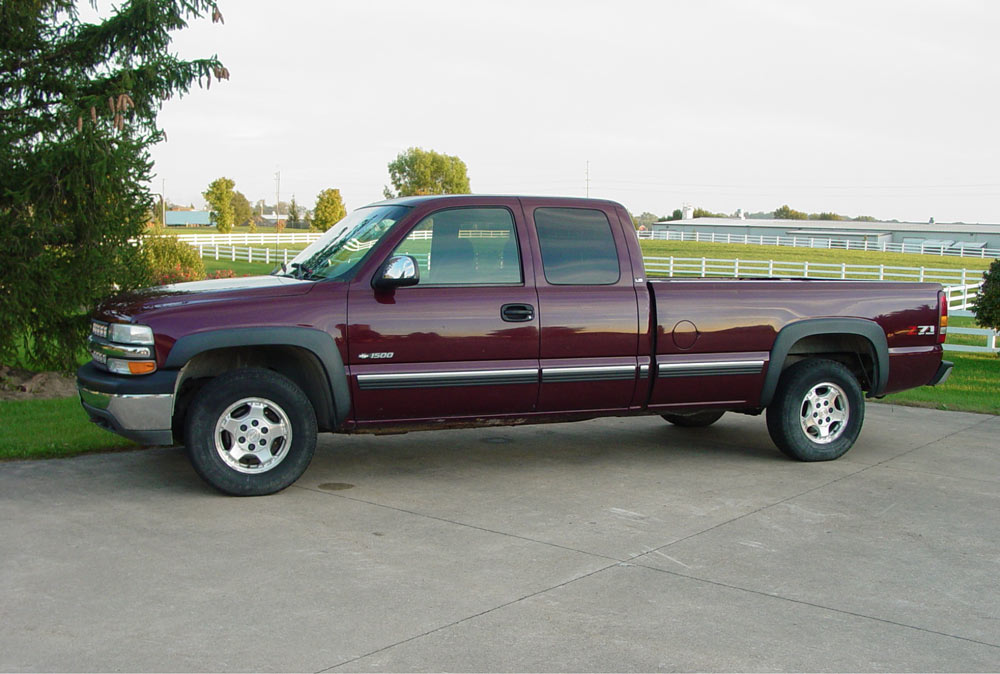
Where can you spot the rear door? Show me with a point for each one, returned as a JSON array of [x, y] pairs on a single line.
[[587, 305], [464, 341]]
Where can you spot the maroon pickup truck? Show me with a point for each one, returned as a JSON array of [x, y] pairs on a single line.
[[457, 311]]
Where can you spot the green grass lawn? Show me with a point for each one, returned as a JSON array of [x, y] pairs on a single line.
[[238, 268], [972, 386], [35, 429]]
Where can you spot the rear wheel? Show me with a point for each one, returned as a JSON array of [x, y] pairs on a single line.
[[694, 419], [817, 412], [250, 432]]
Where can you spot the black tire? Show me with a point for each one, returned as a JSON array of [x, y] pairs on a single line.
[[694, 419], [230, 423], [817, 411]]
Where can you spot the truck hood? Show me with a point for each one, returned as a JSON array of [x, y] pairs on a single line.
[[131, 305]]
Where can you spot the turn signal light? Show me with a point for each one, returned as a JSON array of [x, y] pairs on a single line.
[[141, 366], [123, 366]]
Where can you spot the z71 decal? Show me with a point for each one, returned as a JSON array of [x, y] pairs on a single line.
[[922, 330]]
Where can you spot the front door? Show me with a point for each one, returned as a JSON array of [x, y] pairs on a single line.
[[463, 341]]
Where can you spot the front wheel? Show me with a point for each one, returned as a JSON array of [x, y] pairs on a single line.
[[250, 432], [817, 412]]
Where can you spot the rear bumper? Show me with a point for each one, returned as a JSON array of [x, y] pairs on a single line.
[[139, 409], [942, 374]]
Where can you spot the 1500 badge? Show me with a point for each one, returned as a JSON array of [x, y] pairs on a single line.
[[377, 354]]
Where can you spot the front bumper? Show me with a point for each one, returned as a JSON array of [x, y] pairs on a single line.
[[139, 408]]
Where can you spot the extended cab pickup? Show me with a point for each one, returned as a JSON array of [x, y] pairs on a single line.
[[430, 312]]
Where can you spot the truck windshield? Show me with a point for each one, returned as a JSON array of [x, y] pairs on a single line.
[[338, 251]]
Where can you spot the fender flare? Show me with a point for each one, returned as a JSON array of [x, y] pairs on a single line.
[[316, 342], [790, 334]]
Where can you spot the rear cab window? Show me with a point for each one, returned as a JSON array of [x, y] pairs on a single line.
[[577, 246]]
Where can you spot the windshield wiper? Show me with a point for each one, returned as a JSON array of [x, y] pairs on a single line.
[[299, 270]]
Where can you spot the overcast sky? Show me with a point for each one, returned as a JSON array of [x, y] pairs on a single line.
[[887, 109]]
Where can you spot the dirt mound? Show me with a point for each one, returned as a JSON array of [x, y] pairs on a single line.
[[16, 384]]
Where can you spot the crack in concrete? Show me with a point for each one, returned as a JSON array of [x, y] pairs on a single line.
[[819, 606], [631, 559], [468, 618]]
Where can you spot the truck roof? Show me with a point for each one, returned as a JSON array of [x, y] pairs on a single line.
[[486, 198]]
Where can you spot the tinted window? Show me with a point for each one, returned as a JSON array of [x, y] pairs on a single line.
[[577, 246], [464, 246]]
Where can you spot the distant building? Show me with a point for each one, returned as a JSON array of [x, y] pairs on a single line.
[[818, 233], [188, 218]]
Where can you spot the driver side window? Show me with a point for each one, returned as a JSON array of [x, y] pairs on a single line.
[[465, 246]]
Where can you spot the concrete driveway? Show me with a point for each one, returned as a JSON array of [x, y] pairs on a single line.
[[618, 544]]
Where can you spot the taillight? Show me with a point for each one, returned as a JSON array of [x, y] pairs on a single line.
[[942, 317]]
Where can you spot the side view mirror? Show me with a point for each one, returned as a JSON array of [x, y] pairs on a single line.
[[398, 271]]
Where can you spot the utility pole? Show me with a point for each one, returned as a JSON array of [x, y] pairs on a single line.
[[588, 178], [163, 201], [277, 192]]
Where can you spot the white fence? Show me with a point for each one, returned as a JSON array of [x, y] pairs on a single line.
[[245, 253], [964, 282], [960, 297], [956, 250], [707, 266], [989, 335], [246, 238], [793, 241]]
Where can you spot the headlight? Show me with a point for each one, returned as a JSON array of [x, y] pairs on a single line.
[[127, 333], [122, 348]]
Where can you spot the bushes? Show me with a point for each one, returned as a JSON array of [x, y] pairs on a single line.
[[172, 261]]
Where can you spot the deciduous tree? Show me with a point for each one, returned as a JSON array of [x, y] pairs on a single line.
[[219, 196], [242, 212], [419, 171], [786, 213], [329, 209], [644, 220], [78, 105], [703, 213]]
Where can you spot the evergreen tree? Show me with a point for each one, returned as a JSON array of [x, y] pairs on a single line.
[[987, 305], [78, 105]]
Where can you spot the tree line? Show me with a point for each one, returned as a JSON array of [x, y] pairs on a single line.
[[781, 213], [413, 172]]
